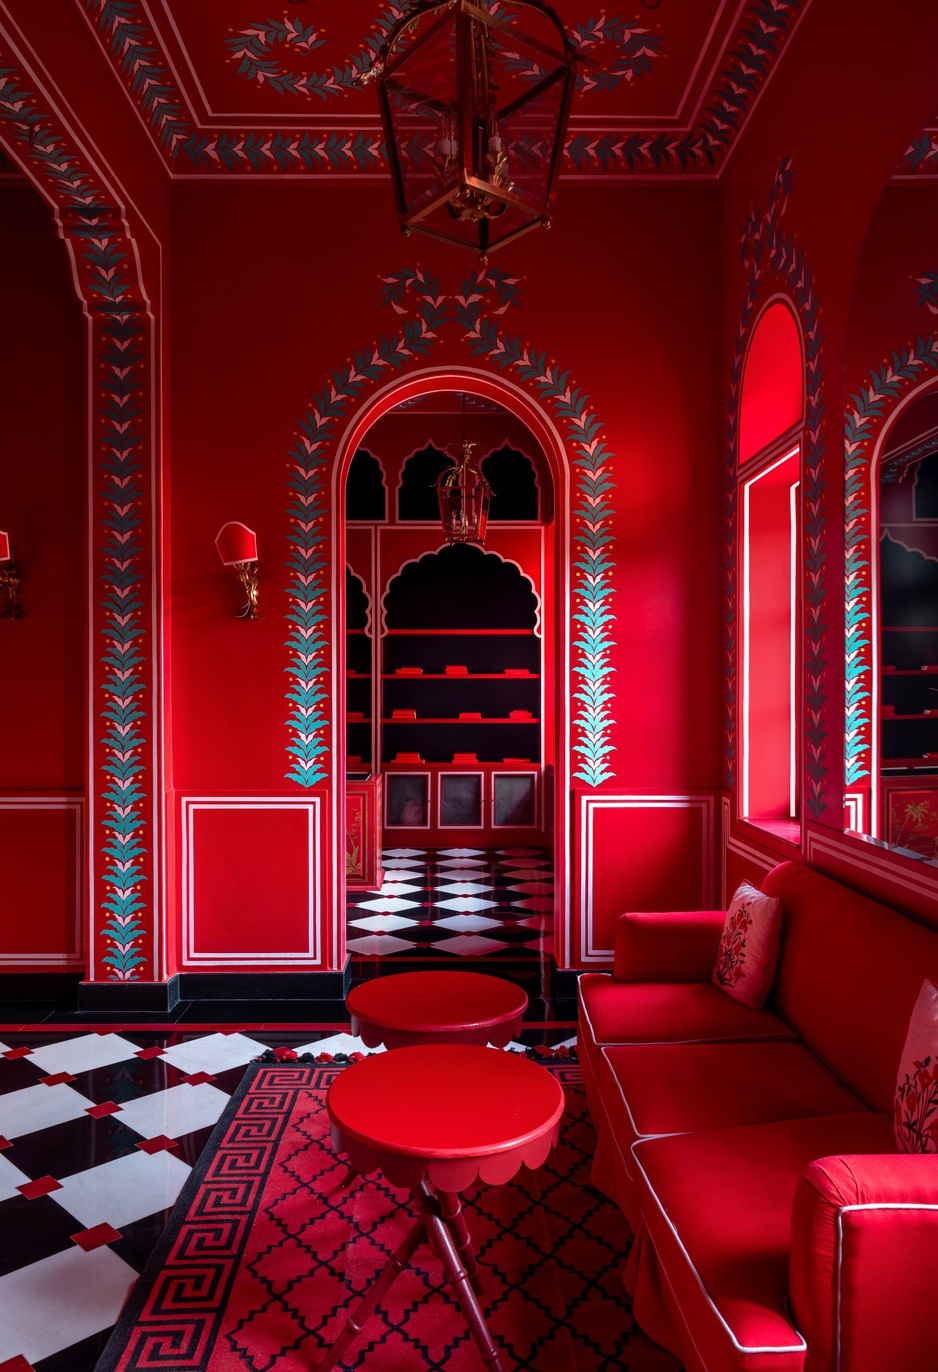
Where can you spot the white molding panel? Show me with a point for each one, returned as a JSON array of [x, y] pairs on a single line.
[[72, 803], [192, 954], [589, 804]]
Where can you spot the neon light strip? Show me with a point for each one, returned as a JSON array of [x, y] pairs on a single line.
[[794, 547], [753, 481]]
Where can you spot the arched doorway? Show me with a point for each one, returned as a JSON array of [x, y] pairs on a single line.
[[534, 537]]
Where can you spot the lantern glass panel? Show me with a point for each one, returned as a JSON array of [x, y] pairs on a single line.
[[530, 131], [421, 101]]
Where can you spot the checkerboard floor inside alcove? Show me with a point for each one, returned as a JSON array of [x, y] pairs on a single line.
[[456, 903]]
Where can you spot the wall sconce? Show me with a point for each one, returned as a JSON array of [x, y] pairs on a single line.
[[237, 547], [9, 580]]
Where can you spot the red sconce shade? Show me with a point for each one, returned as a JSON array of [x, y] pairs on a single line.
[[237, 547], [236, 543], [5, 553], [475, 112]]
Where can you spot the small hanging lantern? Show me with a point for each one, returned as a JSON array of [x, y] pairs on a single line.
[[464, 495], [475, 110]]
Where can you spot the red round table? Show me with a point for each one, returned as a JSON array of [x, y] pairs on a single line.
[[436, 1118], [436, 1007]]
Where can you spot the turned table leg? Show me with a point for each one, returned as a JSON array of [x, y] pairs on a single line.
[[380, 1286], [442, 1240], [452, 1212]]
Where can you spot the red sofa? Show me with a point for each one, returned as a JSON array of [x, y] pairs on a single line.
[[776, 1226]]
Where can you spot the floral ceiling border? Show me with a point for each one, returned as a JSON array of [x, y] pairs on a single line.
[[124, 30], [425, 310]]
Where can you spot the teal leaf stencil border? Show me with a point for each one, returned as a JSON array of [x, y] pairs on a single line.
[[106, 274], [867, 407], [415, 295]]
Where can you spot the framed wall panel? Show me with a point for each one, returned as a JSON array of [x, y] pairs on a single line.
[[639, 852], [41, 898], [250, 881]]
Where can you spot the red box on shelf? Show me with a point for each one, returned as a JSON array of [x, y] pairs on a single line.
[[457, 671]]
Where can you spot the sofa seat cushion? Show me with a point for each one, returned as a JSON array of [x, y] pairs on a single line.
[[675, 1088], [666, 1012], [717, 1206]]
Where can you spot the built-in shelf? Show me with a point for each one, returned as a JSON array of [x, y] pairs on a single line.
[[454, 719], [925, 714], [458, 633], [458, 676]]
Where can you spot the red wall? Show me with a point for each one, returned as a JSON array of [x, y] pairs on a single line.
[[42, 507], [263, 288], [261, 315], [42, 500], [843, 111]]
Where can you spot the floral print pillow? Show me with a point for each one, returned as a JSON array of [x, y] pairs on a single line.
[[748, 954], [916, 1105]]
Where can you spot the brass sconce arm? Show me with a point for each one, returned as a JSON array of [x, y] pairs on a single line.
[[10, 579], [247, 575], [237, 548]]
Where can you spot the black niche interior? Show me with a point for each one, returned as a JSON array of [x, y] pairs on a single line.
[[926, 488], [514, 484], [366, 496], [417, 498], [464, 609], [358, 673], [909, 655]]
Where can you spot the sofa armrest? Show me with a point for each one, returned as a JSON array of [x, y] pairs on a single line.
[[863, 1256], [678, 945]]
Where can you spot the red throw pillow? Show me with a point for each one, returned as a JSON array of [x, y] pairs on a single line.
[[916, 1107], [748, 952]]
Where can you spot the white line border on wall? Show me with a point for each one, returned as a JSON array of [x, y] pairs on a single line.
[[871, 863], [191, 806], [68, 801], [733, 844], [603, 800]]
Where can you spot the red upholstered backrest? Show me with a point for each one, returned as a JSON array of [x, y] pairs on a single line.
[[848, 976]]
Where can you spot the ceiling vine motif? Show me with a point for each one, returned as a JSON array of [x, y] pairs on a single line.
[[625, 51], [622, 49]]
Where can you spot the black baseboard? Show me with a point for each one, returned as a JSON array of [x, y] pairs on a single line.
[[194, 994], [39, 988], [565, 983], [128, 997], [208, 986]]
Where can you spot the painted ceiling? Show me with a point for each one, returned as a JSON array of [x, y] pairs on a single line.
[[246, 87]]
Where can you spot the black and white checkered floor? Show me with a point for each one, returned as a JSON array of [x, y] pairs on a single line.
[[99, 1130], [98, 1133], [457, 903]]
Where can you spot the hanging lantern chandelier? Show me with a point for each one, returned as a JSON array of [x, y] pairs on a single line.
[[464, 495], [475, 109]]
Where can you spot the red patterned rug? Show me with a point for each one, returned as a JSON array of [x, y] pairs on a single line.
[[264, 1254]]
